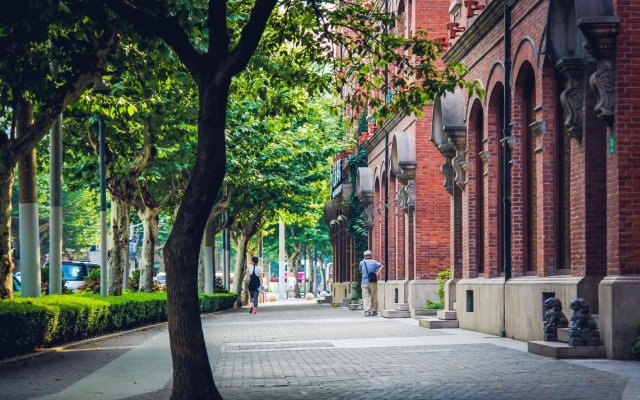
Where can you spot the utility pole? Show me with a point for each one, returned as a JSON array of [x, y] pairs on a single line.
[[281, 256], [55, 214]]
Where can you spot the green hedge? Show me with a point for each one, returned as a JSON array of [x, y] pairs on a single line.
[[26, 324]]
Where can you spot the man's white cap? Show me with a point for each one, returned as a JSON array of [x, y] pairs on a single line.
[[367, 253]]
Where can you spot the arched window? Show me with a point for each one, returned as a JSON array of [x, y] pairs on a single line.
[[476, 136], [495, 209], [527, 100]]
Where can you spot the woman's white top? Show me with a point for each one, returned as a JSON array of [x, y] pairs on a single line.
[[250, 270]]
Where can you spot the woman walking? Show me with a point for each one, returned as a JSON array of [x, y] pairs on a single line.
[[255, 281]]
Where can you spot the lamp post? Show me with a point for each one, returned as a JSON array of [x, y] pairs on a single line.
[[101, 88]]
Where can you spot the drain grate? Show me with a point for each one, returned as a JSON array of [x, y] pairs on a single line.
[[276, 346]]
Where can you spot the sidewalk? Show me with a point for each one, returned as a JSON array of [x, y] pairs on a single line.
[[295, 349]]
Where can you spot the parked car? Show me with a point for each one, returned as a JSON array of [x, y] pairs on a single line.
[[74, 272], [17, 286], [161, 278]]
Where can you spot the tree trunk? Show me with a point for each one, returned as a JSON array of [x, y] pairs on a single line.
[[201, 266], [323, 274], [6, 259], [120, 244], [192, 376], [239, 282], [293, 271], [28, 230], [149, 218], [310, 272]]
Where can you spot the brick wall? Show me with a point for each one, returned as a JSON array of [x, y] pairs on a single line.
[[623, 168]]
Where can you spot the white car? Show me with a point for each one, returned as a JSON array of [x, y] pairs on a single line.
[[161, 278], [74, 273]]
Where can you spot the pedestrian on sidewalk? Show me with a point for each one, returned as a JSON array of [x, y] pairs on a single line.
[[369, 268], [291, 294], [255, 273]]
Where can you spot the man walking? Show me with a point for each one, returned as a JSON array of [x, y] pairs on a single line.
[[368, 268]]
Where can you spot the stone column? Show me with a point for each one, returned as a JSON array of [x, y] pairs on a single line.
[[619, 290]]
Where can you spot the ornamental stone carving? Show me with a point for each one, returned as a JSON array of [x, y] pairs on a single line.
[[448, 134], [369, 215], [458, 138], [601, 33], [448, 151], [603, 83], [407, 196], [403, 164], [572, 97]]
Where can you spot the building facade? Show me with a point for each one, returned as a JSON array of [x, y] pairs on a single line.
[[547, 192], [541, 194], [408, 221]]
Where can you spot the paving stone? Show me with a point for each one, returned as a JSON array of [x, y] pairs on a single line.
[[302, 350]]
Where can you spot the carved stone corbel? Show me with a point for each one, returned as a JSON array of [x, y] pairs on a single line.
[[369, 216], [572, 97], [458, 139], [448, 151], [601, 34], [407, 194]]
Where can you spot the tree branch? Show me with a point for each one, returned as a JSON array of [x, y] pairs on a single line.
[[250, 37], [218, 35], [66, 94], [164, 27]]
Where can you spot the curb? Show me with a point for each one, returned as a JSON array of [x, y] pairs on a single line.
[[71, 345]]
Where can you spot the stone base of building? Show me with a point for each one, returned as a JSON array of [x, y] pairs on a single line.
[[341, 291], [516, 308], [415, 293], [619, 314]]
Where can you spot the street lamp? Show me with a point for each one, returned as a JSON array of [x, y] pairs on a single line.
[[102, 89]]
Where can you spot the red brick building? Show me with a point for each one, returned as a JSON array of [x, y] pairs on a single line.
[[409, 221], [562, 93], [542, 181]]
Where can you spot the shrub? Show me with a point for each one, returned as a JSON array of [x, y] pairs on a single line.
[[134, 281], [433, 305], [91, 282], [29, 323], [442, 278], [635, 347]]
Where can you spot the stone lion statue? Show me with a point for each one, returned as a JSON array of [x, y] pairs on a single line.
[[581, 317], [553, 319]]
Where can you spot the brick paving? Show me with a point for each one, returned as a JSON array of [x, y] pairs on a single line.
[[297, 350]]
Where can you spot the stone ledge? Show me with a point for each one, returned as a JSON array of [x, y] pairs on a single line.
[[395, 314], [355, 307], [419, 312], [446, 314], [435, 323], [561, 350]]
